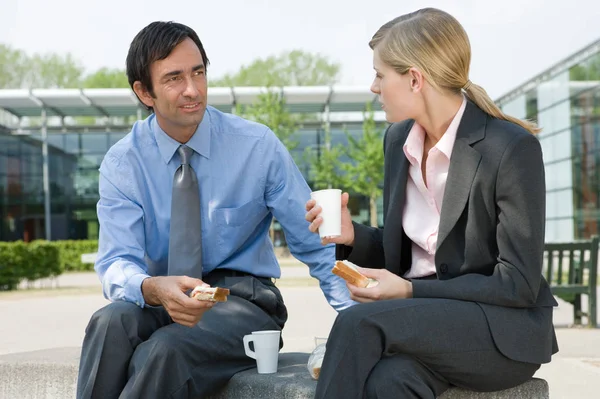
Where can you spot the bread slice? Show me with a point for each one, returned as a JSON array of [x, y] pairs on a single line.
[[350, 274], [213, 294]]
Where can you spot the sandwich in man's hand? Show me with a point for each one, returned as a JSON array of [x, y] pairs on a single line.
[[213, 294], [351, 275]]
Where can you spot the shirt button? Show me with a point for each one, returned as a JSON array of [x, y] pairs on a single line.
[[444, 268], [137, 303]]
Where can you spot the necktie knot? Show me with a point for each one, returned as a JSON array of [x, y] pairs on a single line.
[[185, 153]]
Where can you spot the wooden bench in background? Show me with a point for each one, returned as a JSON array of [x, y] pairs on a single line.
[[571, 269]]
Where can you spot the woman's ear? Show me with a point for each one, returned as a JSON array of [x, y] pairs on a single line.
[[415, 79]]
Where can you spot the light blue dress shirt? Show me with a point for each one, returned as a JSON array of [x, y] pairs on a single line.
[[246, 177]]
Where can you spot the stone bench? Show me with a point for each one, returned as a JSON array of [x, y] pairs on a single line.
[[52, 373]]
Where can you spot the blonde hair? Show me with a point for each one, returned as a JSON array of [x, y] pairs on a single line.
[[434, 42]]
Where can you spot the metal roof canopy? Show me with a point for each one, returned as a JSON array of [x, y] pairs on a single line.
[[561, 66], [123, 102]]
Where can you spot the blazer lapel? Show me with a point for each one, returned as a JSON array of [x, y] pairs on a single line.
[[393, 233], [464, 163], [398, 190]]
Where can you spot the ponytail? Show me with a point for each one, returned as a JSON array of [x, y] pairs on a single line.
[[478, 95]]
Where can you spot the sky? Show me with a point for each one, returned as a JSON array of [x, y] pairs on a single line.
[[511, 41]]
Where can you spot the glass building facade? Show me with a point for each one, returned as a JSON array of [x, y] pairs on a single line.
[[74, 159], [565, 102]]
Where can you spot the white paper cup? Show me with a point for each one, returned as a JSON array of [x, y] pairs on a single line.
[[266, 350], [330, 201]]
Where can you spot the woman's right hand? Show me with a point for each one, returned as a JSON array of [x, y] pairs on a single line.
[[313, 212]]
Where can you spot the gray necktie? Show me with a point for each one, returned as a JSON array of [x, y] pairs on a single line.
[[185, 237]]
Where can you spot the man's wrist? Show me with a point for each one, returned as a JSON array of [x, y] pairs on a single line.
[[149, 291]]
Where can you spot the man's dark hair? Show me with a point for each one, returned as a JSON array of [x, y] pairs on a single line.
[[153, 43]]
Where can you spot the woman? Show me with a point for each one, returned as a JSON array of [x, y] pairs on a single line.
[[461, 300]]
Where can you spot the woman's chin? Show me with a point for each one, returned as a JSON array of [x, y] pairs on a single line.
[[391, 118]]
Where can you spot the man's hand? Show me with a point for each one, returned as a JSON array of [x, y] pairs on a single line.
[[170, 293], [389, 286]]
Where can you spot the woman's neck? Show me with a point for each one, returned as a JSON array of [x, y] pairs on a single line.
[[438, 113]]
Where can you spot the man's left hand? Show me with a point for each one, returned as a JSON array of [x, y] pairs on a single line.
[[390, 286]]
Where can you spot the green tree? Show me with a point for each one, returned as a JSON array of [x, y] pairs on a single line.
[[290, 68], [366, 166], [12, 67], [19, 70], [106, 78], [326, 165], [270, 110], [54, 71]]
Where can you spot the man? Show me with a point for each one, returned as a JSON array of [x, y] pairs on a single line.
[[187, 199]]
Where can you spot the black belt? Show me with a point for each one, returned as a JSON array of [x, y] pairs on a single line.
[[220, 273]]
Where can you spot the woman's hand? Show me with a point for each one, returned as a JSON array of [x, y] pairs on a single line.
[[389, 286], [313, 217]]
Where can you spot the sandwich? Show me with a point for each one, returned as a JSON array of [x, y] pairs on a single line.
[[351, 275], [213, 294]]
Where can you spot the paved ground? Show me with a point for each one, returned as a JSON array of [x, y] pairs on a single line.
[[33, 320]]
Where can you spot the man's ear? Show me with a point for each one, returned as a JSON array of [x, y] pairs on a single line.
[[143, 94]]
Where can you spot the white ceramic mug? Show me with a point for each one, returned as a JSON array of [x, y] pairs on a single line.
[[266, 349]]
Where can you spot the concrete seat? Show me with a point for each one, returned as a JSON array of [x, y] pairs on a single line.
[[52, 374]]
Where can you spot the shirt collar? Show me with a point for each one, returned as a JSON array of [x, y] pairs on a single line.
[[199, 142], [413, 147], [446, 143]]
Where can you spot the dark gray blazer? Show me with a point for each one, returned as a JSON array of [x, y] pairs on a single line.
[[491, 232]]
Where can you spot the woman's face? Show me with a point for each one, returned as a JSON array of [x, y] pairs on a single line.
[[396, 92]]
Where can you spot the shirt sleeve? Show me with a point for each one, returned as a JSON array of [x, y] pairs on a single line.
[[286, 193], [120, 262]]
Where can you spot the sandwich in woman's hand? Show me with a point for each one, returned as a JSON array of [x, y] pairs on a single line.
[[213, 294], [351, 275]]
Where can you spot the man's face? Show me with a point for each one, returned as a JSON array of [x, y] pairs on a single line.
[[179, 86]]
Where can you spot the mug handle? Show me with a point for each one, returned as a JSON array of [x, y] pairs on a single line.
[[249, 353]]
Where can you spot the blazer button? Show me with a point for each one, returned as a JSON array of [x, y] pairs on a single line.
[[444, 268]]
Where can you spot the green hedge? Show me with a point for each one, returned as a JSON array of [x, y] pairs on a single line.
[[71, 251], [41, 259], [20, 261]]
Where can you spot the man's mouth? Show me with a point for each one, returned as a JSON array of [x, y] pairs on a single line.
[[191, 107]]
